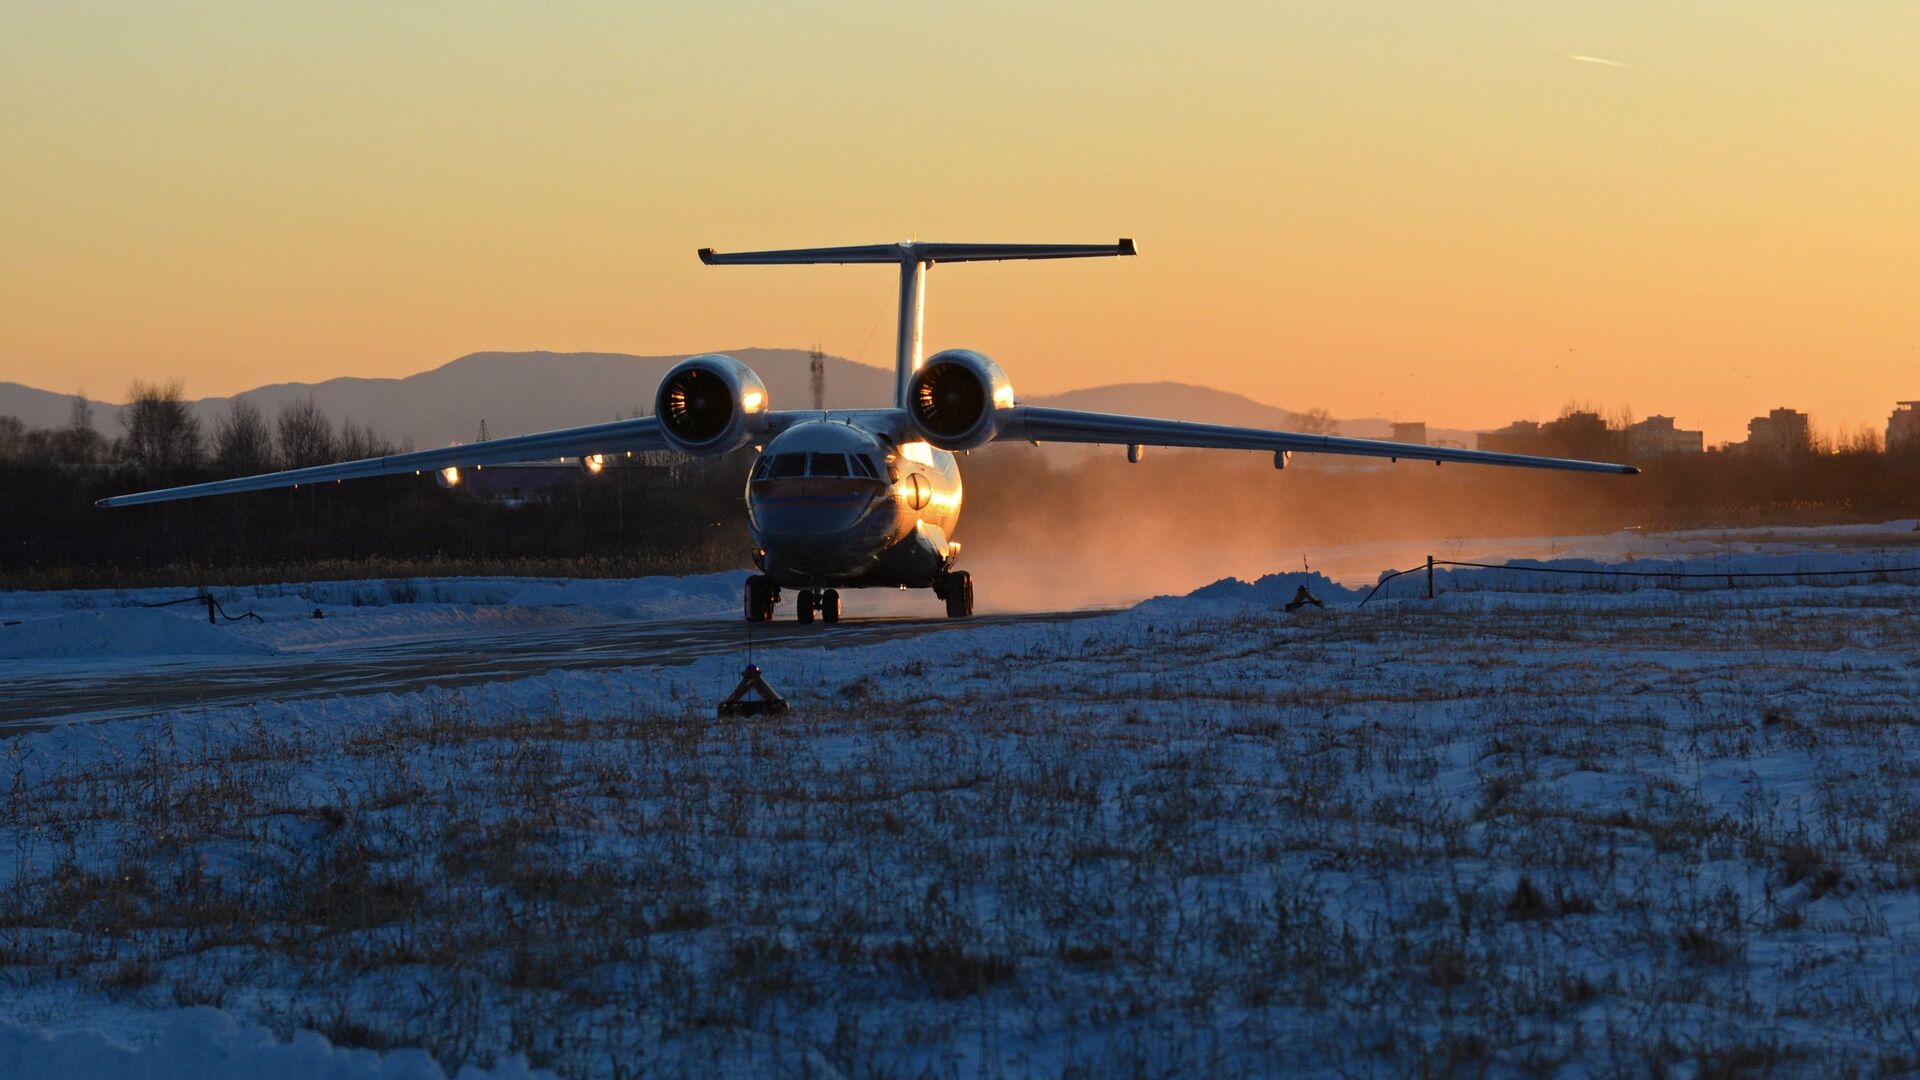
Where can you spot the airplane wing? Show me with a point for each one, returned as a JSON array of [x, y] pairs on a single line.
[[1038, 425], [619, 436]]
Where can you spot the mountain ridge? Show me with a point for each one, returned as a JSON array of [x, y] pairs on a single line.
[[516, 392]]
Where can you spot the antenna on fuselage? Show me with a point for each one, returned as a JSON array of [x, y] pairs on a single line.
[[913, 258]]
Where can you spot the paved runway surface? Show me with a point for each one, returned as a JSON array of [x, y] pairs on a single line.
[[56, 693]]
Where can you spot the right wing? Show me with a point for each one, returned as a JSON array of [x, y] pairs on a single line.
[[616, 437], [1038, 425]]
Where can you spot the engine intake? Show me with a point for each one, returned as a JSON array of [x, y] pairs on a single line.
[[957, 399], [710, 405]]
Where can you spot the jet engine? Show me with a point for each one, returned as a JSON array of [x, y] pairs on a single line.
[[710, 405], [958, 399]]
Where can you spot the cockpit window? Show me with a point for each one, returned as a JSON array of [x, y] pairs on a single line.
[[829, 464], [786, 466], [863, 466]]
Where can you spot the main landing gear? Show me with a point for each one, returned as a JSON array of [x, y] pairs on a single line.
[[956, 588], [762, 594], [826, 603]]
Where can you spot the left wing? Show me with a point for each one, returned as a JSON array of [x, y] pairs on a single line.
[[1038, 425], [619, 436]]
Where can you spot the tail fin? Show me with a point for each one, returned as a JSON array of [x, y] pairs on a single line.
[[913, 260]]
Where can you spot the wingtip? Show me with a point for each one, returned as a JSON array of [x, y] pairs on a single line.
[[706, 256], [1127, 248]]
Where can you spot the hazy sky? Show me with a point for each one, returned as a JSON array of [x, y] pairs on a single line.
[[1454, 212]]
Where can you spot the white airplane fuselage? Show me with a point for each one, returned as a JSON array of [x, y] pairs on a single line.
[[832, 503]]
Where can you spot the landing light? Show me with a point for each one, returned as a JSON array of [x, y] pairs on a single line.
[[593, 463], [752, 400], [450, 476]]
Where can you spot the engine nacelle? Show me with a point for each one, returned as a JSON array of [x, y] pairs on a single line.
[[710, 405], [958, 399]]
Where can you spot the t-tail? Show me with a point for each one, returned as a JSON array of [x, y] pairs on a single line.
[[913, 260]]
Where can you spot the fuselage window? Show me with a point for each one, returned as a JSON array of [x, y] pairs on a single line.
[[787, 466], [863, 465], [829, 464]]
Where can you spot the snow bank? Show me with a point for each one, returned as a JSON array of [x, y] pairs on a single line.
[[83, 635], [1717, 571], [1714, 569], [87, 624], [1274, 591], [208, 1044]]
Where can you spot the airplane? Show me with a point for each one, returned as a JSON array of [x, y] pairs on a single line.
[[857, 498]]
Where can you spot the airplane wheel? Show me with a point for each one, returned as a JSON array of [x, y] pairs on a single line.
[[958, 594], [830, 606], [804, 604], [761, 596]]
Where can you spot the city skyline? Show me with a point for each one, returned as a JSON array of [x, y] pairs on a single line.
[[1460, 213]]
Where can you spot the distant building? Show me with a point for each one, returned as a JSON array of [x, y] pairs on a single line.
[[1578, 434], [1413, 431], [1780, 432], [1903, 430], [1519, 437], [1657, 435]]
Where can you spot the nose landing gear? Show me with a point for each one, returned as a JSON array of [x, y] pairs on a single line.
[[826, 604]]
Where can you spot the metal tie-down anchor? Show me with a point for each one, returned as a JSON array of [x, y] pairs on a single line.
[[738, 703]]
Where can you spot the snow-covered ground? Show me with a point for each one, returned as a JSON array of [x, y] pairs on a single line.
[[1508, 831], [92, 625]]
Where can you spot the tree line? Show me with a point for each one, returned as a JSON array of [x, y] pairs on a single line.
[[665, 514], [161, 437], [646, 517]]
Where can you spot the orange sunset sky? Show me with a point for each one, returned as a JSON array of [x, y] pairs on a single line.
[[1456, 212]]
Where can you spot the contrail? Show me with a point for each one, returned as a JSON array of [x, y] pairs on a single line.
[[1601, 60]]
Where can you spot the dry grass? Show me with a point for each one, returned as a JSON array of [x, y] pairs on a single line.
[[1678, 839]]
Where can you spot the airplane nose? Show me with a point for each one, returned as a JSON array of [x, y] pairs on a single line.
[[811, 507]]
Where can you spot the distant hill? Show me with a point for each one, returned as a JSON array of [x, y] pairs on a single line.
[[45, 409], [1184, 401], [513, 392], [536, 391]]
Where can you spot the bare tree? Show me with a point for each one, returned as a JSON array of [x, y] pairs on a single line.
[[360, 441], [242, 441], [306, 436], [162, 437], [1316, 421], [13, 437], [79, 443]]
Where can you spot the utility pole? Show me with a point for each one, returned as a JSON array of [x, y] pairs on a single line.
[[819, 379], [483, 430]]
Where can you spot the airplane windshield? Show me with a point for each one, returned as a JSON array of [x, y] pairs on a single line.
[[791, 466], [786, 466]]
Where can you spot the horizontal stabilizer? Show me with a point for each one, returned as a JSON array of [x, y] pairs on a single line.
[[913, 253]]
